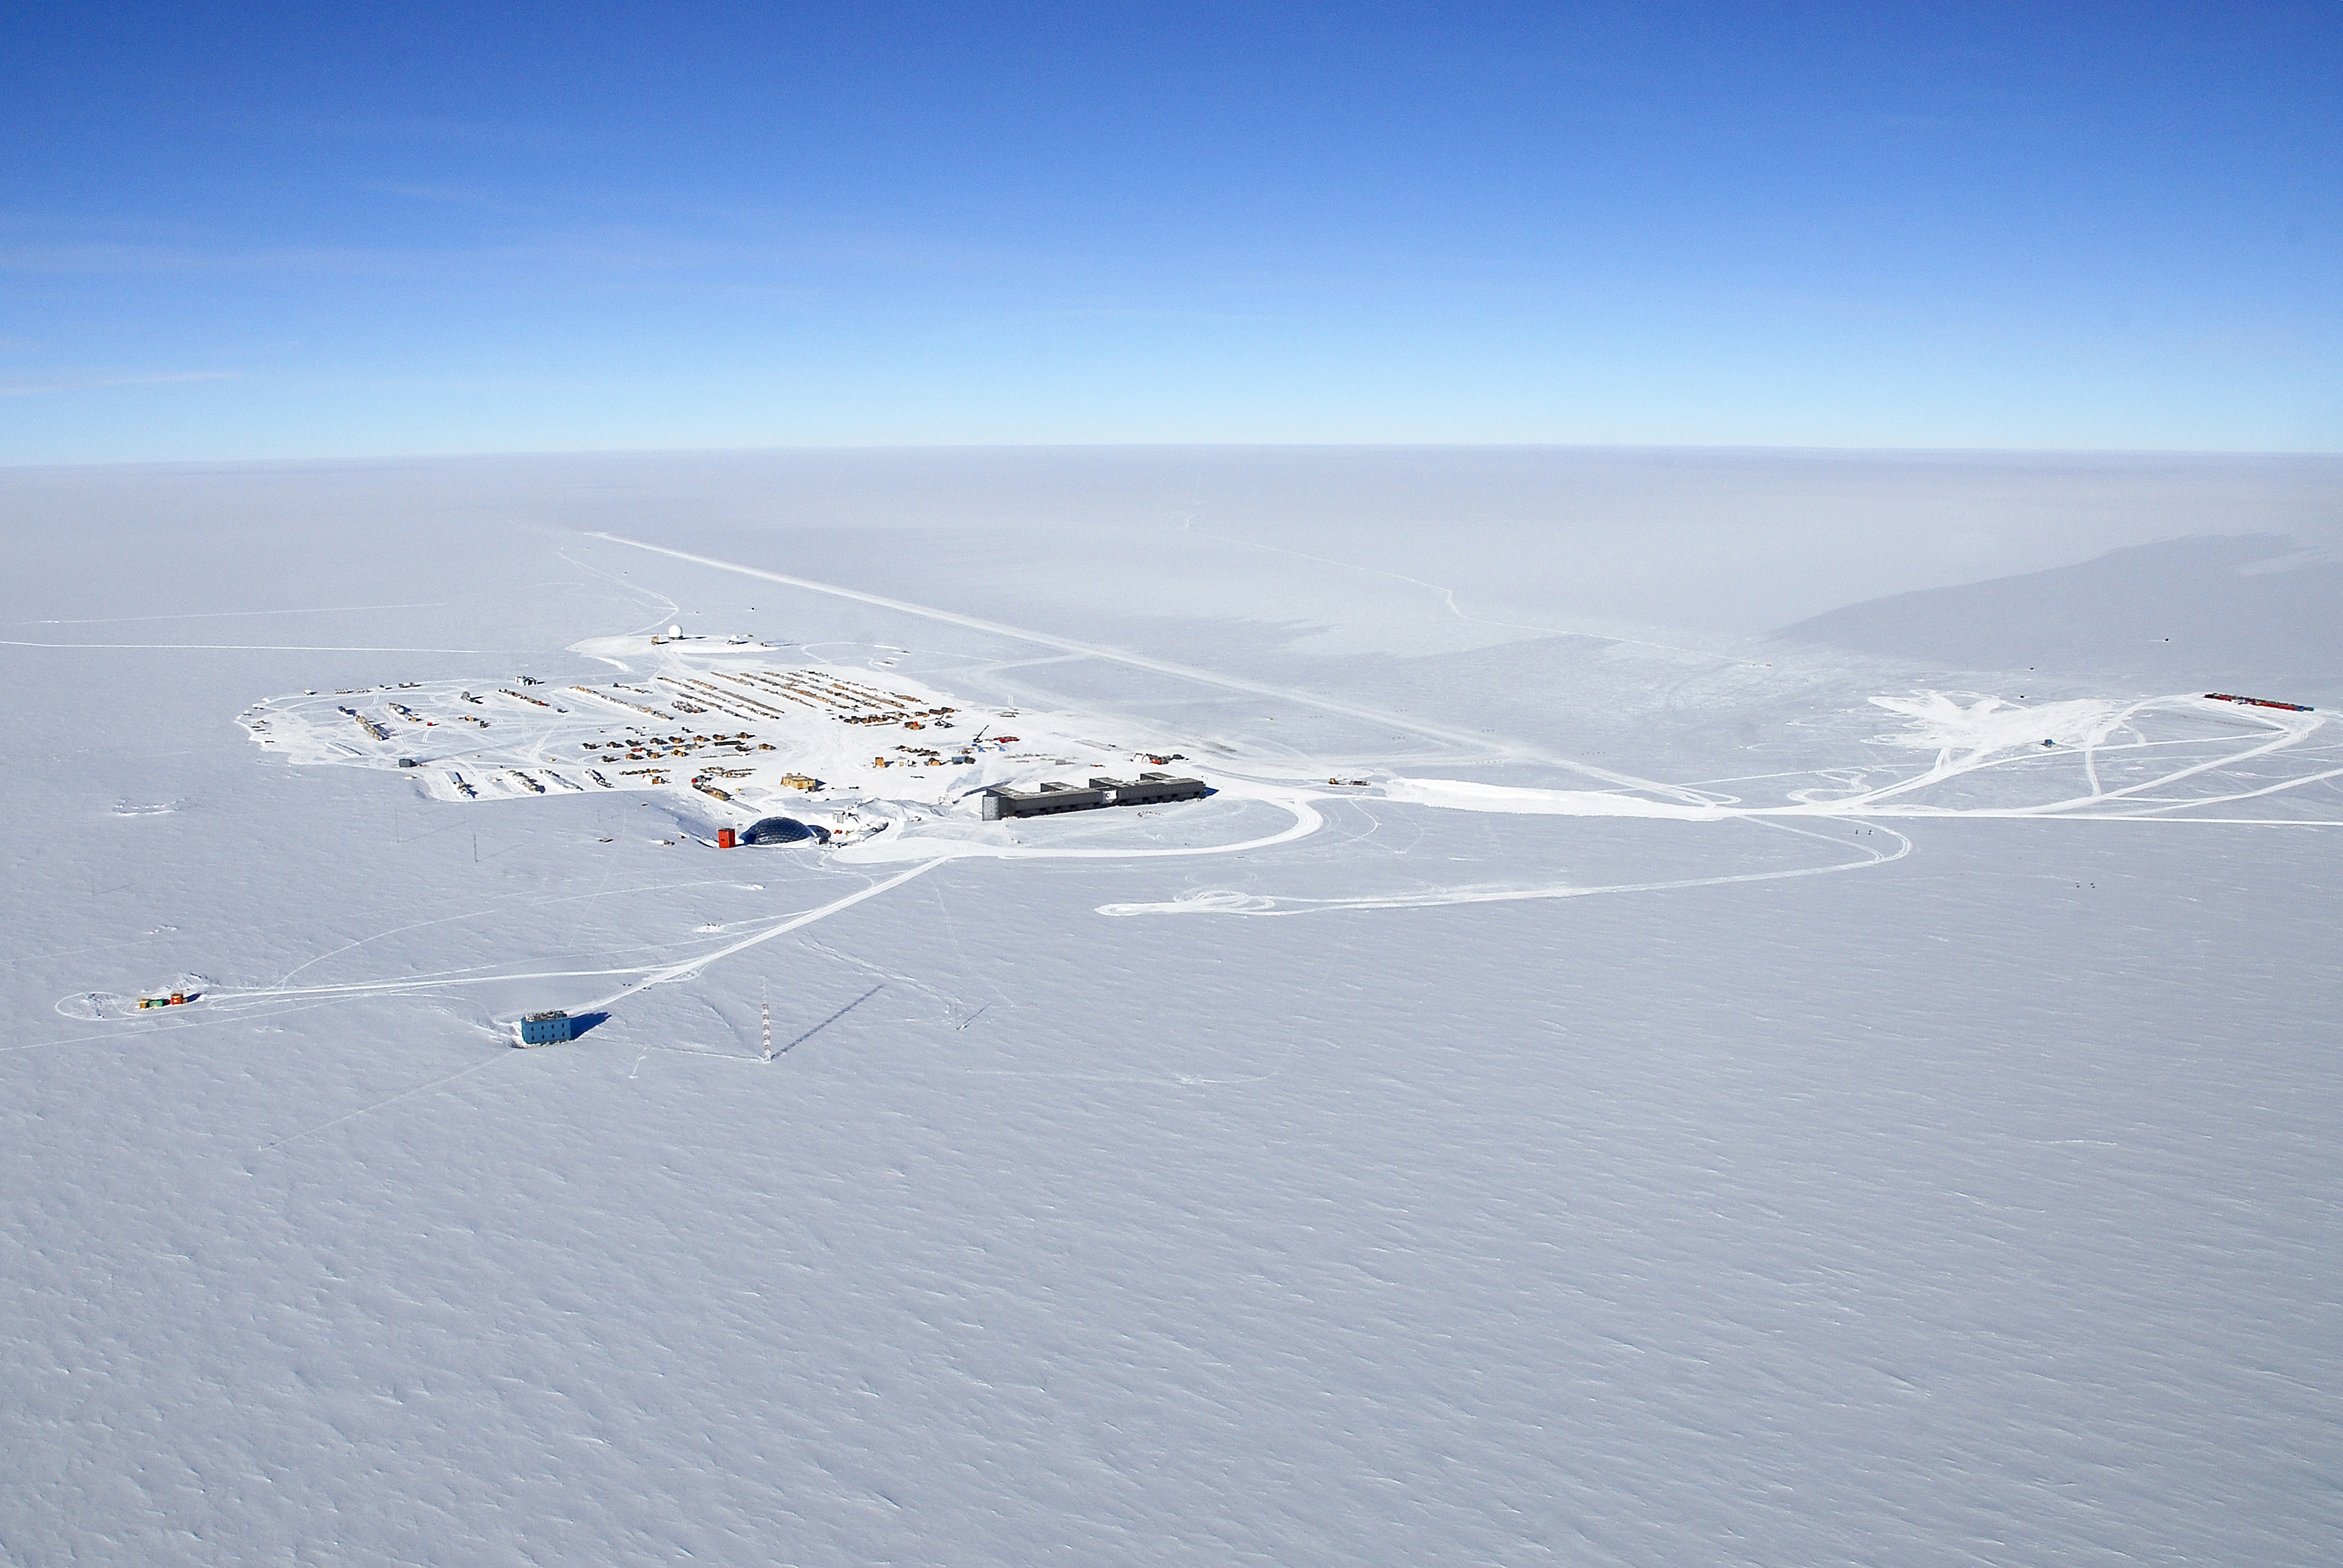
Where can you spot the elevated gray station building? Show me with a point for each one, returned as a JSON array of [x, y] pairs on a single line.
[[1049, 799]]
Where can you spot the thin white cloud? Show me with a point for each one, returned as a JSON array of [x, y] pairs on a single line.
[[104, 259], [91, 383], [418, 128], [458, 196]]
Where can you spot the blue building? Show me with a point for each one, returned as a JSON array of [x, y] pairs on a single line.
[[545, 1029]]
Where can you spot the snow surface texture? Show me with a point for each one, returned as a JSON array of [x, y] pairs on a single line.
[[1591, 1084]]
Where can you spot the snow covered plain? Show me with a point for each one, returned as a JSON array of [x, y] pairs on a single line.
[[1707, 1097]]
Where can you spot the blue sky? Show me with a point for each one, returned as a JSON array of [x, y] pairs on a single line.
[[338, 230]]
